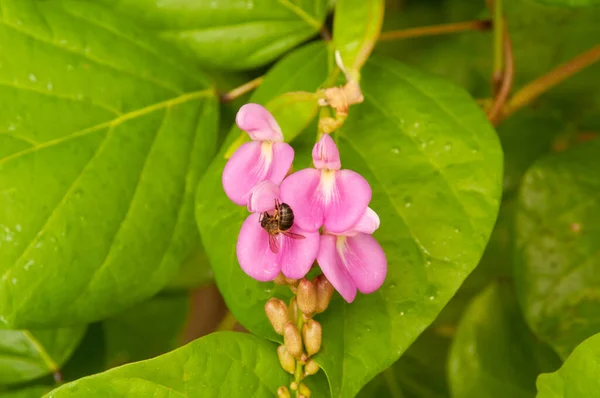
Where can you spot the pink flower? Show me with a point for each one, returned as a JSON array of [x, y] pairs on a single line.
[[258, 258], [353, 260], [267, 157], [326, 196]]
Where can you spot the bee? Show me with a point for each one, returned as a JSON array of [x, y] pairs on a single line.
[[280, 222]]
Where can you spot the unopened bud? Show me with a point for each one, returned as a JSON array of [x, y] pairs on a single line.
[[311, 368], [304, 390], [294, 386], [312, 333], [293, 310], [287, 361], [293, 340], [306, 297], [277, 313], [324, 293], [283, 392], [281, 279]]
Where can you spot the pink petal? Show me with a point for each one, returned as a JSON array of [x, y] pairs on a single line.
[[252, 163], [258, 123], [331, 265], [253, 253], [299, 191], [326, 155], [367, 224], [297, 256], [346, 200], [262, 197], [364, 260]]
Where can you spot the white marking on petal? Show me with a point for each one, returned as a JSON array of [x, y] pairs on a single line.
[[261, 169], [327, 186], [340, 246]]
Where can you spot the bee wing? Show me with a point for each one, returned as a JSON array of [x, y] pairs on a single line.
[[293, 235], [274, 243]]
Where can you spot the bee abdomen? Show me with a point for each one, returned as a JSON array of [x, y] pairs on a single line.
[[286, 217]]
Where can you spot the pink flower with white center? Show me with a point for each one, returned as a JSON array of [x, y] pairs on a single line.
[[326, 196], [354, 260], [267, 157], [293, 256]]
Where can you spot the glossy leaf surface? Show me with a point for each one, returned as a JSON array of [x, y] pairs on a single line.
[[96, 205], [228, 34], [557, 246], [223, 364]]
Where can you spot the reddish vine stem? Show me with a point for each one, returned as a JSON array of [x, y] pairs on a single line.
[[477, 25], [531, 91], [495, 113], [241, 90]]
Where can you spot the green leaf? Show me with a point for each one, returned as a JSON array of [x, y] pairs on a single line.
[[26, 355], [228, 34], [194, 272], [577, 377], [96, 211], [571, 3], [219, 220], [557, 247], [494, 354], [146, 330], [436, 186], [356, 27], [225, 364], [435, 166]]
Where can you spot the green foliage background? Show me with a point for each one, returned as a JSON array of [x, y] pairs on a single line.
[[113, 135]]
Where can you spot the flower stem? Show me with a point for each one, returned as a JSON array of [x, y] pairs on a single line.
[[241, 90], [531, 91], [498, 70], [477, 25], [299, 371], [505, 81]]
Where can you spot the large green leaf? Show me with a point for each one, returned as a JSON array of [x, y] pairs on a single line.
[[355, 30], [577, 377], [146, 330], [435, 166], [26, 355], [225, 364], [228, 34], [557, 240], [35, 391], [494, 354], [103, 137]]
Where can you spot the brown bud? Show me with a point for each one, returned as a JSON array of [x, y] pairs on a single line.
[[283, 392], [304, 390], [312, 332], [287, 361], [293, 310], [292, 339], [324, 293], [277, 313], [311, 368], [306, 297]]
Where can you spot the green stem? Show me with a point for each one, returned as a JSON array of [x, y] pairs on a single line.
[[299, 366], [392, 383]]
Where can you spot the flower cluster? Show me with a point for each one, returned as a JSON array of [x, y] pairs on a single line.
[[318, 213]]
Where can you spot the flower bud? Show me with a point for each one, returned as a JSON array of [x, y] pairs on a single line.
[[277, 313], [283, 392], [311, 368], [304, 390], [287, 361], [306, 297], [293, 340], [294, 385], [312, 333], [324, 293], [293, 310]]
